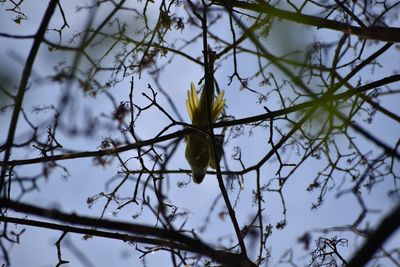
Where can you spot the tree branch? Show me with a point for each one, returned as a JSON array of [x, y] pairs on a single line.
[[386, 228], [39, 36], [386, 34], [187, 131], [195, 245]]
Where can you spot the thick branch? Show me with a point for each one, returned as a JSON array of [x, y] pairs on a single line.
[[140, 229], [99, 233], [386, 228], [386, 34], [39, 36]]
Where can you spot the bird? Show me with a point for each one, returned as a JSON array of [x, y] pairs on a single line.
[[198, 151]]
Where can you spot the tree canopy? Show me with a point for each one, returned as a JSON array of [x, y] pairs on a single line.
[[304, 159]]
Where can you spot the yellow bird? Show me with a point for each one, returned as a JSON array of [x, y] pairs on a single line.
[[198, 148]]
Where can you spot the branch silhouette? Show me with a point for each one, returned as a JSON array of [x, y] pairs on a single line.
[[385, 34], [182, 241]]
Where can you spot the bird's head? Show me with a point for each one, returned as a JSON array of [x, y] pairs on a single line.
[[198, 177]]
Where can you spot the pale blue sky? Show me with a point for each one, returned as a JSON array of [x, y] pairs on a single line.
[[37, 249]]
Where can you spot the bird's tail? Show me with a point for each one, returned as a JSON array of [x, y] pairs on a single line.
[[197, 109]]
